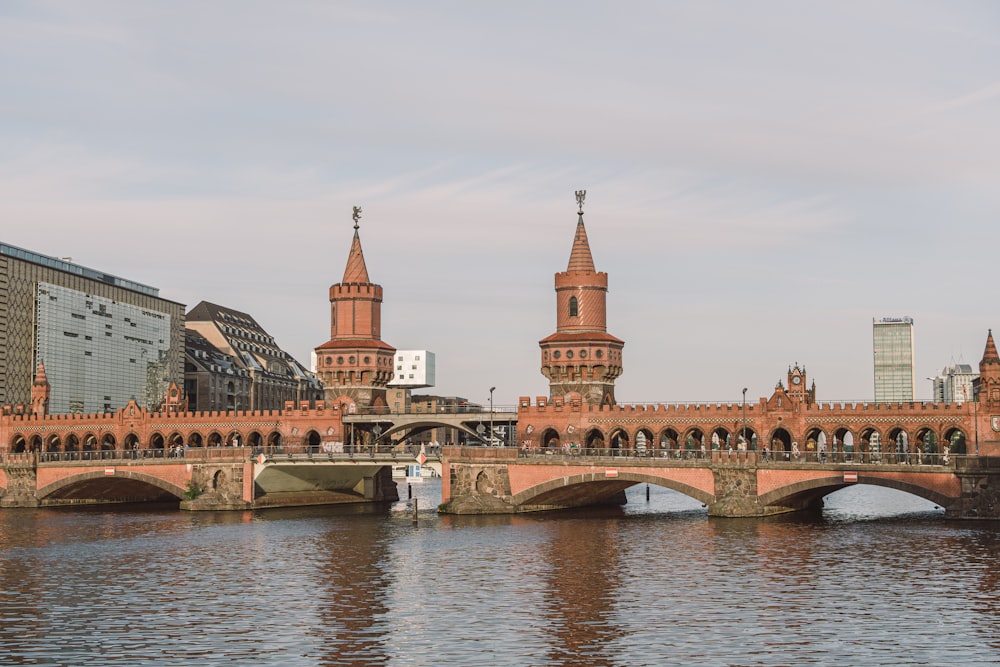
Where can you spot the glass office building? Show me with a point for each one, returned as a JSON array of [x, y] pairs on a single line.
[[104, 339], [893, 347], [100, 353]]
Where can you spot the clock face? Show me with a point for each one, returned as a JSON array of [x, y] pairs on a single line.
[[796, 379]]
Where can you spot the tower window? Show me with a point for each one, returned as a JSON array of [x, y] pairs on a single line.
[[574, 307]]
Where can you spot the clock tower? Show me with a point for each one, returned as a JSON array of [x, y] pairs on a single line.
[[797, 385]]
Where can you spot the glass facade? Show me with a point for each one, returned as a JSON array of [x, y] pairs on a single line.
[[100, 353], [893, 346]]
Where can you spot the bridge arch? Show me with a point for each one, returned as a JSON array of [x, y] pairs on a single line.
[[556, 490], [156, 441], [619, 439], [669, 438], [274, 440], [195, 440], [594, 439], [215, 439], [721, 437], [313, 439], [780, 442], [550, 438], [955, 437], [870, 445], [897, 444], [65, 484], [807, 493], [693, 440], [648, 443]]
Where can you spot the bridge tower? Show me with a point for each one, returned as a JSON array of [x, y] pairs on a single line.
[[987, 392], [581, 358], [355, 365]]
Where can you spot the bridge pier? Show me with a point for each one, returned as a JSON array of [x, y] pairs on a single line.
[[21, 479], [980, 480]]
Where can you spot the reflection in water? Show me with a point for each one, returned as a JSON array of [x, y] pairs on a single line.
[[877, 578], [353, 581], [580, 581]]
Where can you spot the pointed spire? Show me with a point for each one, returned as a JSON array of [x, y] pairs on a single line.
[[40, 377], [990, 354], [580, 258], [356, 271]]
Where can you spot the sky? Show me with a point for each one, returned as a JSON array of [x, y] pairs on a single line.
[[763, 178]]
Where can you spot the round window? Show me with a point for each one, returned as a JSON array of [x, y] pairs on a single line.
[[340, 360], [569, 354], [556, 355], [583, 354], [599, 354]]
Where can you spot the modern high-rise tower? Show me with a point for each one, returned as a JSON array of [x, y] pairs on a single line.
[[893, 351]]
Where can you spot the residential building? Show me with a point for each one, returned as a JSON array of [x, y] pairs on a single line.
[[893, 359], [232, 362], [103, 339]]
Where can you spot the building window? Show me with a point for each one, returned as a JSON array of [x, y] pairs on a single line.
[[574, 307], [556, 354], [569, 354]]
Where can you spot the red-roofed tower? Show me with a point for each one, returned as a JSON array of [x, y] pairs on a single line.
[[581, 357], [355, 365]]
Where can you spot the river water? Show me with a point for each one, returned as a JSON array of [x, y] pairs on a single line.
[[879, 578]]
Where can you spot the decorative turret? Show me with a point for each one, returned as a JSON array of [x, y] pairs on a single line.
[[355, 365], [989, 375], [582, 358], [40, 391]]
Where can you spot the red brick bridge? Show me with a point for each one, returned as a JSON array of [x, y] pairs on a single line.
[[737, 484]]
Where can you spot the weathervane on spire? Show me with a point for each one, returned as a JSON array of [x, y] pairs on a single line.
[[580, 196], [356, 216]]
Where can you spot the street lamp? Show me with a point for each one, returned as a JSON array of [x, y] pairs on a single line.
[[492, 389], [743, 434]]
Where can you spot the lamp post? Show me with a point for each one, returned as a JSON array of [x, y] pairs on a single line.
[[492, 389], [743, 433]]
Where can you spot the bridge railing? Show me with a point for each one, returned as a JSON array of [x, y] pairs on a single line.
[[761, 457], [348, 452], [471, 408], [214, 453]]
